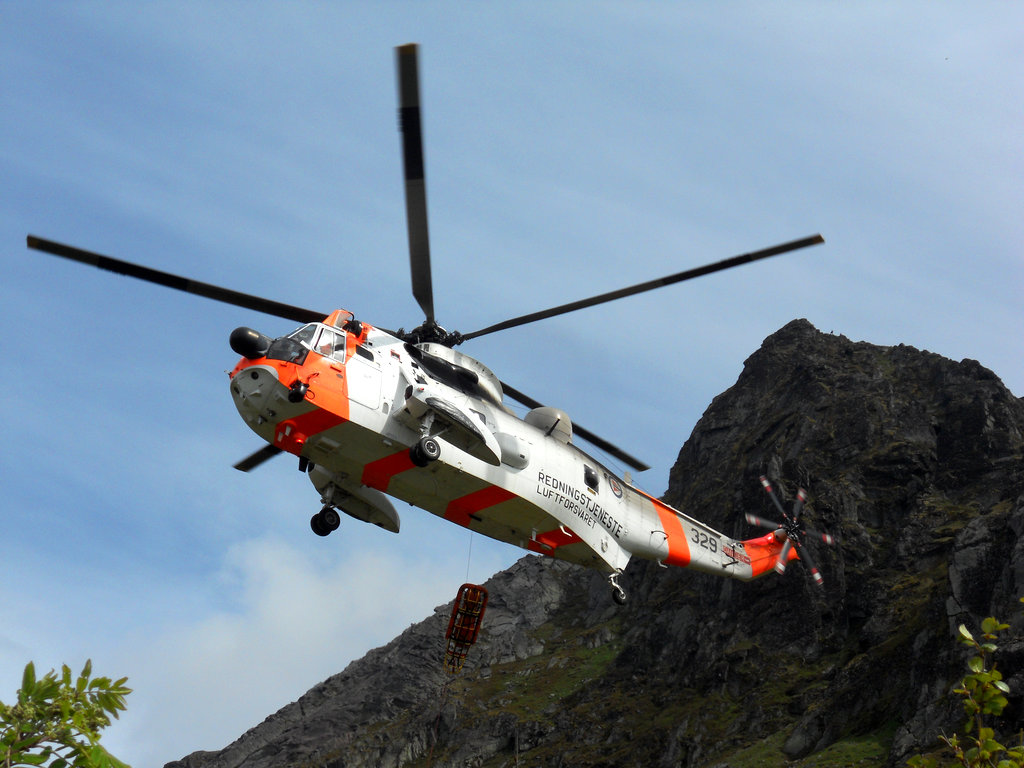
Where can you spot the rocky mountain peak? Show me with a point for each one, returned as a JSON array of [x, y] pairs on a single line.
[[915, 462]]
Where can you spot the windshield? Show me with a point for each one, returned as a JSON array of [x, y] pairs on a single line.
[[294, 347]]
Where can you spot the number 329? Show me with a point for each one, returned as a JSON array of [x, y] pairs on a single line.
[[705, 541]]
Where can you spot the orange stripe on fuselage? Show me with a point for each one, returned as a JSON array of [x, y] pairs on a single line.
[[546, 543], [460, 509], [291, 434], [675, 537], [377, 474]]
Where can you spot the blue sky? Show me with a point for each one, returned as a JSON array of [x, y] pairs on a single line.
[[571, 148]]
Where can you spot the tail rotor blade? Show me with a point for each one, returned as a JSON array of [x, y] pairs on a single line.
[[805, 555], [795, 536], [827, 538], [780, 563], [760, 522], [775, 499], [798, 505]]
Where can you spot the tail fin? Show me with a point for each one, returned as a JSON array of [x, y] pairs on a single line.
[[769, 552]]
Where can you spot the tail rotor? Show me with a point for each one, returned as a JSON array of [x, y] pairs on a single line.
[[790, 529]]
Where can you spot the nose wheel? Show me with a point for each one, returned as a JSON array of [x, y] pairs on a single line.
[[325, 521]]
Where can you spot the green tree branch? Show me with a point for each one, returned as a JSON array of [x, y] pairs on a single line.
[[983, 695], [56, 721]]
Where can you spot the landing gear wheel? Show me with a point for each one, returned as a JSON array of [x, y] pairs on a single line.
[[330, 518], [618, 593], [316, 523], [425, 451], [325, 521]]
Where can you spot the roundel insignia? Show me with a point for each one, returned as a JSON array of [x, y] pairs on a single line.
[[615, 486]]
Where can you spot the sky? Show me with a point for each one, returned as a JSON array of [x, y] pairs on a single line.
[[571, 148]]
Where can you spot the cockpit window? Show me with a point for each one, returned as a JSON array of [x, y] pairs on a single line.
[[294, 347], [305, 334]]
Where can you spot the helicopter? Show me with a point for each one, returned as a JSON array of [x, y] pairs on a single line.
[[374, 415]]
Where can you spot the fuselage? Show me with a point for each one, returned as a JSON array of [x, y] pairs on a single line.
[[354, 401]]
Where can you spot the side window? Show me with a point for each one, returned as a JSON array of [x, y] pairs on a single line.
[[590, 477], [331, 344]]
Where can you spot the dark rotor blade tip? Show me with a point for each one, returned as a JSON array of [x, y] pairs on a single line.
[[586, 434], [254, 460], [410, 123], [689, 274], [176, 282]]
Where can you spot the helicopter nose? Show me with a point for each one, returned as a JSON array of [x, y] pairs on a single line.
[[249, 343]]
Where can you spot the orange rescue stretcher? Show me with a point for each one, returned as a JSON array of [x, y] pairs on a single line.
[[464, 625]]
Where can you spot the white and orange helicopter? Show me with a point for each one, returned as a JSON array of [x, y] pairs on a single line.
[[372, 414]]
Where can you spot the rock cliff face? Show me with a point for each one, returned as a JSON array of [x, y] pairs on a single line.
[[914, 461]]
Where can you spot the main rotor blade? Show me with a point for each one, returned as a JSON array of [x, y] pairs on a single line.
[[253, 460], [586, 434], [410, 124], [650, 285], [166, 279]]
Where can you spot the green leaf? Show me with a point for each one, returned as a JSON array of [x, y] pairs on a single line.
[[965, 633], [995, 706], [28, 679], [976, 664]]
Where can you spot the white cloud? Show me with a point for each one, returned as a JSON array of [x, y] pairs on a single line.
[[293, 620]]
